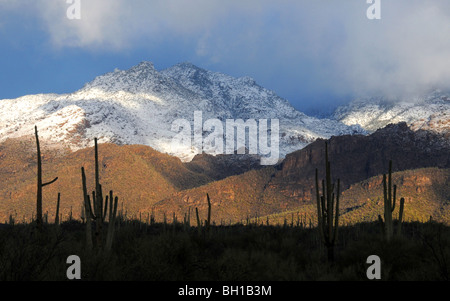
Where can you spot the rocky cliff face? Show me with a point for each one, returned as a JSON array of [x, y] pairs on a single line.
[[356, 158], [222, 166]]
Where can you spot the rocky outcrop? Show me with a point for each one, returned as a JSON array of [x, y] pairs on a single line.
[[222, 166], [356, 158]]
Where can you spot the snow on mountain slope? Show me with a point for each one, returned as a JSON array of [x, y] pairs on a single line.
[[243, 98], [139, 105], [428, 112]]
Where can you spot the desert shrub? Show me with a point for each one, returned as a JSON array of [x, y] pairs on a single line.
[[228, 253]]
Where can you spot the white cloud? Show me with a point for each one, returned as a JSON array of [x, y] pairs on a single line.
[[120, 23], [328, 43], [406, 52]]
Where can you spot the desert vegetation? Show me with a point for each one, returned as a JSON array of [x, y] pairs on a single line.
[[173, 251], [309, 245]]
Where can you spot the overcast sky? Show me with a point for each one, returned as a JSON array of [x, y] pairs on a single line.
[[315, 53]]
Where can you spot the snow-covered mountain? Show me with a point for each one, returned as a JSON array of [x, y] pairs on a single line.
[[428, 112], [139, 105]]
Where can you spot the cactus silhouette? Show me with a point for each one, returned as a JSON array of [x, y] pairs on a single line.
[[40, 185], [112, 220], [389, 195], [98, 211], [57, 209], [328, 208], [208, 220]]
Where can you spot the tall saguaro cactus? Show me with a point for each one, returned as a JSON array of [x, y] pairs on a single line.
[[389, 195], [98, 211], [40, 185], [328, 208], [112, 220], [57, 209], [87, 211], [208, 220], [97, 198]]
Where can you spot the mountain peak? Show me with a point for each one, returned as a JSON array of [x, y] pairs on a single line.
[[143, 65], [142, 77], [187, 65], [185, 69], [142, 70]]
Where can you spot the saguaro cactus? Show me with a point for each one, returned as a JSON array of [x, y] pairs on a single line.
[[97, 198], [208, 220], [57, 209], [199, 223], [328, 208], [87, 210], [40, 185], [98, 211], [112, 220], [389, 195]]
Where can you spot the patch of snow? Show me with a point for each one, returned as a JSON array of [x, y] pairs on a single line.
[[139, 105]]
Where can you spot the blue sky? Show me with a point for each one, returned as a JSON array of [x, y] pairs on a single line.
[[315, 53]]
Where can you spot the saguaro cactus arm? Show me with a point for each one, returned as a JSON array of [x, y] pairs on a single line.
[[40, 185], [51, 182]]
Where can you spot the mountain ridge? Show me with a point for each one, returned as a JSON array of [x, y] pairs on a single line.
[[139, 105], [429, 111]]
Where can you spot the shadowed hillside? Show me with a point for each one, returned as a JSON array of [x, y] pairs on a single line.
[[236, 199], [139, 174], [149, 182], [426, 192], [288, 189]]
